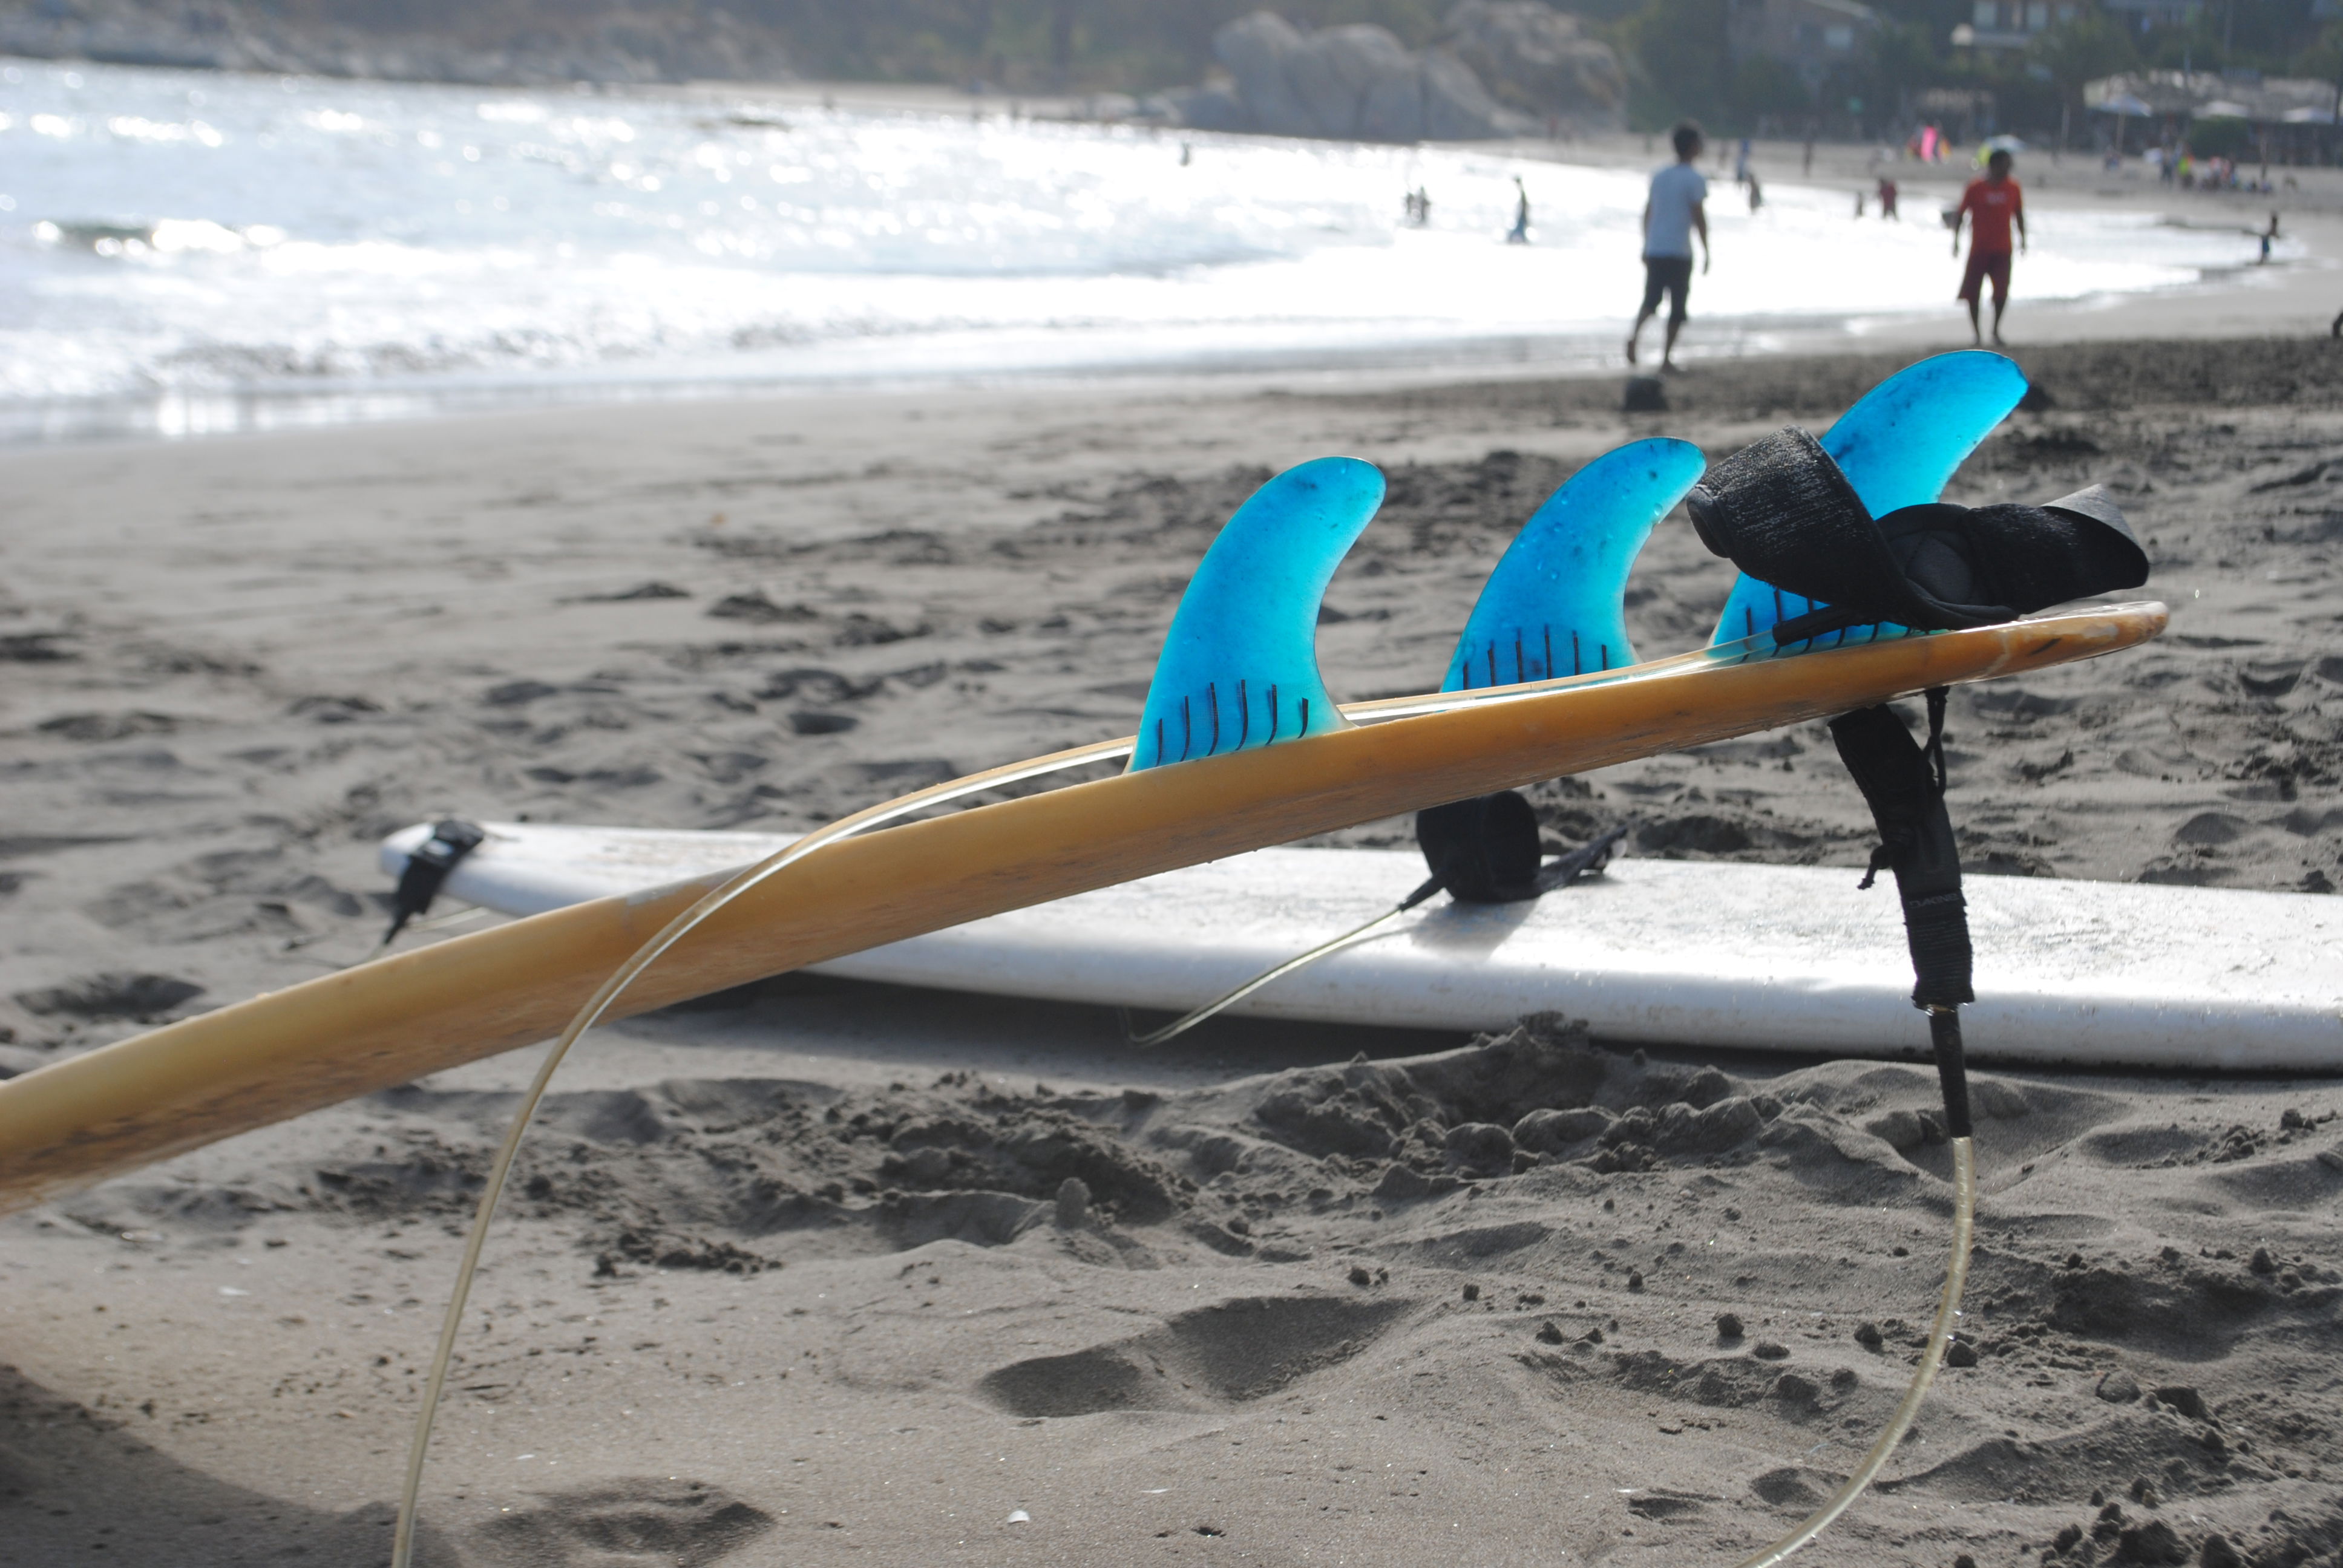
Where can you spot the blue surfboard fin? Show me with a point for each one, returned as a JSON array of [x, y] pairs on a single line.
[[1239, 669], [1898, 447], [1552, 606]]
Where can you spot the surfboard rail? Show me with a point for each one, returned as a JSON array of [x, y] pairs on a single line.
[[275, 1056]]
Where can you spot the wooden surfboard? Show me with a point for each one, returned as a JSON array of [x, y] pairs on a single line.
[[387, 1022]]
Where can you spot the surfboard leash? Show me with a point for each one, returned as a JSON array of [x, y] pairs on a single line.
[[459, 1293], [1932, 1356], [1785, 513], [428, 865], [1902, 781], [1483, 851]]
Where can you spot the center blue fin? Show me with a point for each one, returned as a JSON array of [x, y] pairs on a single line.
[[1239, 668], [1552, 606], [1898, 447]]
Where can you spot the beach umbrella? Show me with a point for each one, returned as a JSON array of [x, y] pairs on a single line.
[[2224, 109], [2308, 116]]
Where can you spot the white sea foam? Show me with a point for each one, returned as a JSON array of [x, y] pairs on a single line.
[[169, 238]]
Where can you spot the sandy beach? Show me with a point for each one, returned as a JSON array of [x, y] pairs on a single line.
[[793, 1275]]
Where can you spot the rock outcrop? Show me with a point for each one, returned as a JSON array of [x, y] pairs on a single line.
[[521, 47], [1355, 82], [1539, 60]]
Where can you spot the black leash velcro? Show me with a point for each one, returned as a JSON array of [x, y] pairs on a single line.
[[428, 864], [1902, 781], [1586, 859], [1486, 850], [1782, 511]]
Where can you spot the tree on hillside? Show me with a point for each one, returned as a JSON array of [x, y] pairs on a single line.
[[1131, 43], [2083, 50], [1678, 62], [1765, 89], [2322, 58]]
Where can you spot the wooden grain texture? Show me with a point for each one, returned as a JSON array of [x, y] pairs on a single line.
[[286, 1052]]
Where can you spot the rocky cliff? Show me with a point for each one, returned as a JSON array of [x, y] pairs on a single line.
[[1540, 61], [1362, 82], [514, 43]]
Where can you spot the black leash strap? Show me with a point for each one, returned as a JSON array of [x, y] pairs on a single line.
[[1592, 856], [1782, 511], [1486, 850], [428, 864], [1902, 781]]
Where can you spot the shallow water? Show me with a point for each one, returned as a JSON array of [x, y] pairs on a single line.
[[188, 252]]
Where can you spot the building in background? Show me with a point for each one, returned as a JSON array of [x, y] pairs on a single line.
[[2012, 24], [2289, 119], [2139, 16]]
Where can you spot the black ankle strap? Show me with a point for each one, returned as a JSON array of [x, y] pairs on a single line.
[[1902, 781]]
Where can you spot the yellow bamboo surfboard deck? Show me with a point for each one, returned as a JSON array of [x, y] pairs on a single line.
[[383, 1023]]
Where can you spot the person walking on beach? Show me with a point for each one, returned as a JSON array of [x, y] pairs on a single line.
[[1991, 205], [1519, 233], [1674, 212]]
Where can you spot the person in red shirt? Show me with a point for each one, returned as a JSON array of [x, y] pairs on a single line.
[[1991, 205]]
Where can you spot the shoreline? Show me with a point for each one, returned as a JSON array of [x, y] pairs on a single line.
[[2292, 298], [2294, 295]]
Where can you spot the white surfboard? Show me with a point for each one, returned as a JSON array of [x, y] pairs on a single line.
[[1660, 951]]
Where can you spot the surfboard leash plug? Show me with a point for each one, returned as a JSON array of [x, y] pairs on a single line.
[[428, 865]]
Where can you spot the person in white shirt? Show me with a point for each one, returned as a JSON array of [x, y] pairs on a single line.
[[1674, 213]]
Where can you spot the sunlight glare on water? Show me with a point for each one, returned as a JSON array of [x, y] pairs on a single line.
[[168, 238]]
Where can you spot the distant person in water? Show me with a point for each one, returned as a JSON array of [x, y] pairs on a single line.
[[1676, 211], [1756, 191], [1520, 232], [1992, 205], [1888, 199]]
